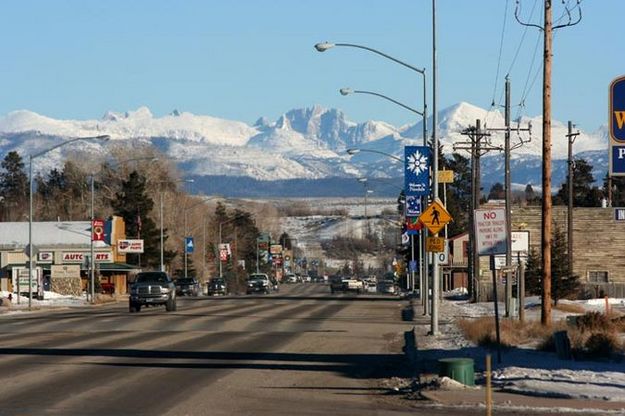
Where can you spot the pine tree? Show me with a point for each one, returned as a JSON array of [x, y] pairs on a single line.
[[459, 193], [563, 285], [134, 206], [13, 187], [584, 193], [497, 192], [533, 273]]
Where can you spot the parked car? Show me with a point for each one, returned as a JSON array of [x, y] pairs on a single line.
[[187, 286], [387, 286], [150, 289], [217, 286], [306, 279], [259, 283], [290, 278]]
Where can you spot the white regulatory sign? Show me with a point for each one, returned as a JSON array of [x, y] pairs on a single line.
[[490, 231]]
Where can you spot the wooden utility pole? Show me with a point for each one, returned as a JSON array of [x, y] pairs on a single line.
[[548, 28], [571, 139], [545, 316]]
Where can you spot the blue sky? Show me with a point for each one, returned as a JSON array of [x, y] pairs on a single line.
[[249, 58]]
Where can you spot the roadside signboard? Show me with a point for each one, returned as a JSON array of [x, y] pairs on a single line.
[[445, 176], [275, 249], [490, 231], [413, 206], [435, 244], [619, 214], [130, 246], [435, 217], [413, 225], [417, 170], [443, 256], [617, 126]]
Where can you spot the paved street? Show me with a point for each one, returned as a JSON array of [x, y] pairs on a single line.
[[301, 351]]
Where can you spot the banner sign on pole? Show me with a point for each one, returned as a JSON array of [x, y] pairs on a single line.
[[189, 245], [617, 126], [417, 170], [97, 227], [413, 206]]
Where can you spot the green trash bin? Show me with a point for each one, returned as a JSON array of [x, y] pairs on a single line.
[[459, 369]]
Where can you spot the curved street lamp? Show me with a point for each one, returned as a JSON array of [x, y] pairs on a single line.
[[103, 138]]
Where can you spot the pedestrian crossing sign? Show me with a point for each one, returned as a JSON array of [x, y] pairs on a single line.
[[435, 217]]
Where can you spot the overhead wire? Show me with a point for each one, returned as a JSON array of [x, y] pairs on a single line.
[[501, 41]]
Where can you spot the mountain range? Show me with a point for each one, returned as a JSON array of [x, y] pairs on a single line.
[[304, 147]]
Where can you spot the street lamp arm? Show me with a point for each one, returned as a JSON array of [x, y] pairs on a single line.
[[389, 99], [354, 151], [43, 152], [414, 68]]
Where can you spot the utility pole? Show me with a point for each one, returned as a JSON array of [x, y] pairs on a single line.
[[571, 139], [476, 149], [435, 278], [508, 190], [547, 29]]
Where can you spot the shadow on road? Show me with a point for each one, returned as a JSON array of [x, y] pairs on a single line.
[[352, 365], [329, 297]]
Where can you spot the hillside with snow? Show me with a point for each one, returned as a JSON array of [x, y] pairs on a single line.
[[308, 143]]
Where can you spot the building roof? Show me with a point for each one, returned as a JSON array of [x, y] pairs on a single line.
[[48, 234]]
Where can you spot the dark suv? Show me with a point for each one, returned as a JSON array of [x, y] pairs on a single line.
[[217, 286], [187, 286], [152, 288]]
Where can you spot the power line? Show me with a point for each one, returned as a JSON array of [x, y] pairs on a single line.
[[503, 33]]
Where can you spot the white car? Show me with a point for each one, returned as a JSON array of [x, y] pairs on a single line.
[[290, 278]]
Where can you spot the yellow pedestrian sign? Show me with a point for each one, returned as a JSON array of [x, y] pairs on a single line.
[[435, 217]]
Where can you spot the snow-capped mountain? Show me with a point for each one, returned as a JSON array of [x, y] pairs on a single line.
[[308, 143]]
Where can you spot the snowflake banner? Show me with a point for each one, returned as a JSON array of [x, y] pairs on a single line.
[[417, 170]]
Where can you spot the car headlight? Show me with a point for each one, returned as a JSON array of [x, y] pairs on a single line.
[[265, 284], [250, 284], [165, 290]]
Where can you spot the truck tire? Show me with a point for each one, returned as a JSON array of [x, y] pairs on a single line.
[[134, 307], [170, 306]]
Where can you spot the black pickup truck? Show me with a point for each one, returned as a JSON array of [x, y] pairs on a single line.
[[150, 289]]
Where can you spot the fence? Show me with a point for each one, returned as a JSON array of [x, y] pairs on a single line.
[[587, 291]]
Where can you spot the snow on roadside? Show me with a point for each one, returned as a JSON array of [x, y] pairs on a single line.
[[525, 370], [51, 299]]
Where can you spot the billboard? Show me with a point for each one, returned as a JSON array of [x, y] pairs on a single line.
[[616, 125]]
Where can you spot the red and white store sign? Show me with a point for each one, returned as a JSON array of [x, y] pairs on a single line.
[[80, 256]]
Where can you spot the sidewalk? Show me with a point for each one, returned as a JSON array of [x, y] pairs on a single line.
[[451, 343]]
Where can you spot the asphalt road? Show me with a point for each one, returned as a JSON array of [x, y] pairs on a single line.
[[302, 351]]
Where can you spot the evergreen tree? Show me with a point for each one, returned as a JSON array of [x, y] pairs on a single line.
[[533, 274], [459, 193], [497, 191], [13, 187], [530, 196], [584, 193], [134, 206], [563, 285]]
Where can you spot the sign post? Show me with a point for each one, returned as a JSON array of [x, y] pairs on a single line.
[[491, 233]]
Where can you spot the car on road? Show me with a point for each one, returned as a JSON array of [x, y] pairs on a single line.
[[345, 284], [187, 286], [152, 289], [217, 286], [306, 279], [388, 287], [260, 283], [290, 278]]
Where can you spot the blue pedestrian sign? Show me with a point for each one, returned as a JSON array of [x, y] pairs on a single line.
[[188, 243], [417, 170], [412, 265]]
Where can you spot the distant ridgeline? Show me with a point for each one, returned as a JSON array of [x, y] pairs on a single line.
[[245, 186]]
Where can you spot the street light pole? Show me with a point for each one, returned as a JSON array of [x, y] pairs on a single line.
[[30, 205], [435, 277], [92, 261]]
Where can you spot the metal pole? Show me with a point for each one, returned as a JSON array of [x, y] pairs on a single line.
[[30, 238], [508, 202], [219, 252], [423, 274], [492, 266], [258, 258], [184, 243], [570, 204], [204, 249], [435, 278], [92, 261], [521, 290], [162, 247]]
